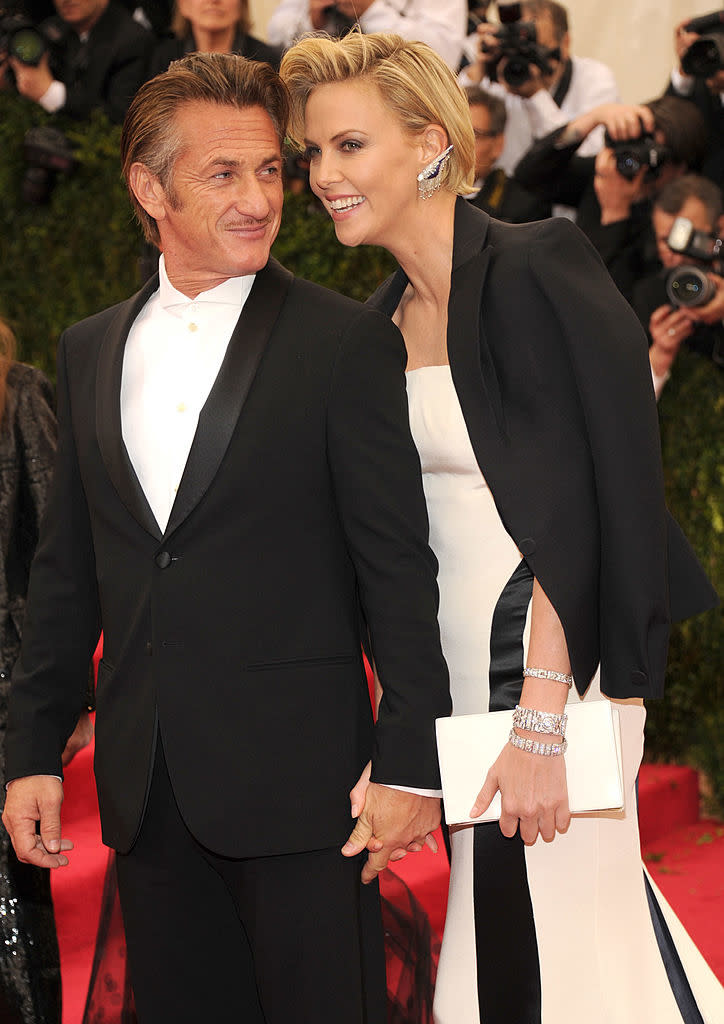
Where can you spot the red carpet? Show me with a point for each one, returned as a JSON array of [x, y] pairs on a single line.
[[685, 856]]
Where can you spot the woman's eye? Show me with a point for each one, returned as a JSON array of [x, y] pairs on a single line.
[[310, 152], [351, 144]]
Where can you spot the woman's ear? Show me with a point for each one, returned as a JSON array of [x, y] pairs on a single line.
[[434, 141]]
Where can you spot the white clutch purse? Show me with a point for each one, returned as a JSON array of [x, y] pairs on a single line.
[[467, 745]]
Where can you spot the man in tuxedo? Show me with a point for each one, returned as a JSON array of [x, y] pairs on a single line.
[[236, 491], [97, 59]]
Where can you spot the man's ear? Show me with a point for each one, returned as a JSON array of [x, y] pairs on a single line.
[[148, 190]]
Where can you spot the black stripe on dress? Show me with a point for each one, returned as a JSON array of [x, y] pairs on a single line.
[[509, 984]]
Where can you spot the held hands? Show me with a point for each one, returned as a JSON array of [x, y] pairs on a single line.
[[390, 824], [533, 792], [36, 798]]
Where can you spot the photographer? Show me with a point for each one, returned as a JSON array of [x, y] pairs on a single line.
[[557, 87], [648, 146], [685, 219], [96, 57], [496, 193], [699, 77], [439, 23]]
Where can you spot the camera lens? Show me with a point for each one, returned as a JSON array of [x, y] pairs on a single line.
[[628, 164], [516, 71], [28, 46], [689, 286]]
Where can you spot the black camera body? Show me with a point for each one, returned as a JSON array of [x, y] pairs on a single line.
[[633, 154], [688, 285], [705, 56], [22, 39], [518, 43]]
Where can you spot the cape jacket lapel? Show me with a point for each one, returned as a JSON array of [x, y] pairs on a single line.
[[222, 409], [108, 411]]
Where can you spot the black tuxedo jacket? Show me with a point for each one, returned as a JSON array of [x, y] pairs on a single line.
[[236, 633], [550, 366]]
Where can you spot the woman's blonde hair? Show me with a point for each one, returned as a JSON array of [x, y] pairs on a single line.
[[413, 81]]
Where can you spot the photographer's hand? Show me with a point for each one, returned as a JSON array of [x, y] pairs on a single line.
[[32, 83], [616, 194], [682, 41], [318, 13], [713, 311], [668, 327], [488, 52], [621, 121]]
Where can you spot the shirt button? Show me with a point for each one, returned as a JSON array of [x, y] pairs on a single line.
[[181, 407], [193, 326]]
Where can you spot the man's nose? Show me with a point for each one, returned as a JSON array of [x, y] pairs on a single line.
[[252, 198]]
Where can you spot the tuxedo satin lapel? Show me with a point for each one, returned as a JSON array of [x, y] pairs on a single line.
[[108, 411], [222, 409]]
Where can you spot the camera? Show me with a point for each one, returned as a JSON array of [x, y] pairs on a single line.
[[47, 153], [21, 39], [518, 43], [705, 56], [633, 154], [688, 285]]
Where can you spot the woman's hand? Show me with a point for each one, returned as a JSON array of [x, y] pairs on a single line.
[[358, 795], [533, 791]]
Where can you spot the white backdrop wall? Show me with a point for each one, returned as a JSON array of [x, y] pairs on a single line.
[[634, 37]]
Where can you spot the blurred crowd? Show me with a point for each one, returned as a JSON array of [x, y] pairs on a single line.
[[642, 181]]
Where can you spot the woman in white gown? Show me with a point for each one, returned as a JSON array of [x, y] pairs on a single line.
[[533, 413]]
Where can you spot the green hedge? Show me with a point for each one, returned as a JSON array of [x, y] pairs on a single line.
[[79, 253]]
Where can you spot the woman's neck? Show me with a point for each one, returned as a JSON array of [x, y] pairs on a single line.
[[214, 41], [423, 247]]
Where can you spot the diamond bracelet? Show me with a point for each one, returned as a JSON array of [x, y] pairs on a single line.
[[530, 720], [536, 747], [547, 673]]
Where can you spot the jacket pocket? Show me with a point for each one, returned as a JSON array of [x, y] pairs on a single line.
[[333, 659]]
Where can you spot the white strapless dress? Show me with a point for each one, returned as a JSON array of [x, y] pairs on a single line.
[[558, 933]]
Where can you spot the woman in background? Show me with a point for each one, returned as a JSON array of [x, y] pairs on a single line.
[[30, 990], [210, 26], [532, 409]]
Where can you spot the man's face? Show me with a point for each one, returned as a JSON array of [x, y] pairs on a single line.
[[487, 147], [695, 211], [81, 15], [220, 213]]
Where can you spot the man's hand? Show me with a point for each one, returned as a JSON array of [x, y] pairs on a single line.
[[533, 792], [32, 82], [682, 41], [668, 327], [33, 799], [79, 738], [391, 822], [353, 8], [318, 13], [616, 194]]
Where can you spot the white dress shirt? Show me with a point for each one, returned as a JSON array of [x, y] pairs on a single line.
[[173, 355], [439, 23], [592, 83]]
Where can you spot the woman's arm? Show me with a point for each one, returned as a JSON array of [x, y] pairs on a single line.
[[532, 786]]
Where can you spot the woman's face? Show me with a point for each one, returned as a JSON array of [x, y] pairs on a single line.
[[362, 164], [211, 15]]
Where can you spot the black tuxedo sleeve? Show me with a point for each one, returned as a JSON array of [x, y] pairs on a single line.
[[62, 620], [378, 488], [608, 353]]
